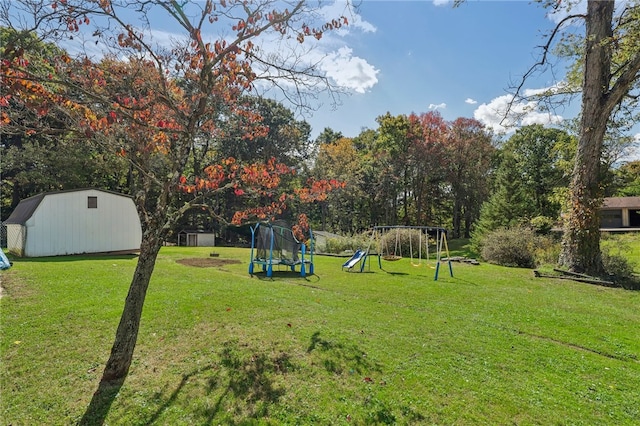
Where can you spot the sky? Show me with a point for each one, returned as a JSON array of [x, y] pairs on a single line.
[[419, 56], [416, 56]]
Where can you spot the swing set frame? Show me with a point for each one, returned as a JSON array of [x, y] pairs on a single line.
[[442, 247]]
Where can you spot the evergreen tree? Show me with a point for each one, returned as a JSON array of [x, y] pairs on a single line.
[[509, 202]]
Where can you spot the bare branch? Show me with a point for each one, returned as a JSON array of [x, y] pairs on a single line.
[[546, 50]]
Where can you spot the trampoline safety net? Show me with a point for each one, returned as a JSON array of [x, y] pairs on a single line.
[[285, 245]]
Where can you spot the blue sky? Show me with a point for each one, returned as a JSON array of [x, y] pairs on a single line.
[[423, 56]]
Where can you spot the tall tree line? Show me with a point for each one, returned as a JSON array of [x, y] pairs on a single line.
[[415, 169]]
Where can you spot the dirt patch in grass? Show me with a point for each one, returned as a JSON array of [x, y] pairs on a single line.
[[207, 262]]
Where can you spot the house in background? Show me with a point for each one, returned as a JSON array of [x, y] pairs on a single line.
[[620, 213], [74, 222]]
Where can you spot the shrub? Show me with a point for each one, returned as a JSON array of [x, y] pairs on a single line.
[[510, 247], [620, 270], [617, 250], [342, 244], [547, 249]]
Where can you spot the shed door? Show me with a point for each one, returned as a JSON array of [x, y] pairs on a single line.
[[192, 240]]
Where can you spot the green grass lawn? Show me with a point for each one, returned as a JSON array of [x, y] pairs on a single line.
[[491, 345]]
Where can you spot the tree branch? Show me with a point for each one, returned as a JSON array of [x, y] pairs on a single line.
[[621, 87], [542, 61]]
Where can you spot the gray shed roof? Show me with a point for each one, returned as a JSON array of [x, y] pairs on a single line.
[[24, 210]]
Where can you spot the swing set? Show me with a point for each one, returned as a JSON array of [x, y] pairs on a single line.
[[389, 248]]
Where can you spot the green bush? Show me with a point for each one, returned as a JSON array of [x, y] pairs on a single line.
[[342, 244], [620, 270], [617, 254], [547, 249], [510, 247]]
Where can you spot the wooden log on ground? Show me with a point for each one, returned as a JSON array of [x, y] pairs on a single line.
[[574, 276]]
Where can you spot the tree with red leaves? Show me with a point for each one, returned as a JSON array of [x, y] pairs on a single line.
[[469, 151], [157, 107]]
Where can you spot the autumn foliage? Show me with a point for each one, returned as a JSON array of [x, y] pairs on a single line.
[[156, 106]]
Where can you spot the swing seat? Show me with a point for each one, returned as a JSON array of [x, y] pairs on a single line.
[[391, 257]]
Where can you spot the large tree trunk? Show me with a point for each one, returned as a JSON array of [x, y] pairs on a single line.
[[124, 343], [581, 238]]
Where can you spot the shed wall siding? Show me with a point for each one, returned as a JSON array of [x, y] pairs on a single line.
[[15, 239], [206, 240], [63, 224]]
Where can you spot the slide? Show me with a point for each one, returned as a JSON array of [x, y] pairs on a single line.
[[357, 256]]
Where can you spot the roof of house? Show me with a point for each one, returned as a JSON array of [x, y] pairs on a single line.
[[621, 203], [25, 208]]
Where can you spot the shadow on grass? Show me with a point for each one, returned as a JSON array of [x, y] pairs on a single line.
[[244, 380], [289, 275], [250, 383], [245, 383], [338, 357], [100, 403], [241, 386], [172, 398], [394, 273]]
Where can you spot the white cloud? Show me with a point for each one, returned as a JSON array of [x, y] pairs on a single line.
[[558, 88], [441, 2], [331, 55], [336, 58], [520, 113], [348, 71], [341, 8], [437, 106], [633, 152], [470, 101]]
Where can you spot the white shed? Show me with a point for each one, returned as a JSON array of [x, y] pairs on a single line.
[[196, 239], [74, 222]]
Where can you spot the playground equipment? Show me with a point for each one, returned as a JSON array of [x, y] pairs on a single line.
[[386, 252], [397, 250], [4, 262], [274, 243], [357, 257]]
